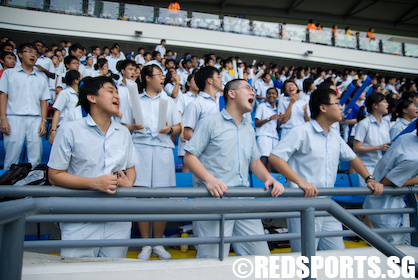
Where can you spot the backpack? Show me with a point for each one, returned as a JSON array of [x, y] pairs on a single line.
[[16, 173]]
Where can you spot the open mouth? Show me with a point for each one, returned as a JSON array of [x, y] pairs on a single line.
[[251, 100], [116, 103]]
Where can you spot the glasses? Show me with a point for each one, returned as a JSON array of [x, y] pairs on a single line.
[[159, 74], [245, 87], [335, 103], [31, 52]]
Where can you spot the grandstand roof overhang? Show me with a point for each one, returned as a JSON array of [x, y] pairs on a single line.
[[398, 17]]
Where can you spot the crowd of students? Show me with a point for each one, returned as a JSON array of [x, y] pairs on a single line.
[[115, 120]]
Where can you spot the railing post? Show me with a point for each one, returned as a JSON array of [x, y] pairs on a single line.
[[11, 249], [412, 202], [222, 236], [308, 235]]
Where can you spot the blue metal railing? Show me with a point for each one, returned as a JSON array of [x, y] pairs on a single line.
[[42, 206]]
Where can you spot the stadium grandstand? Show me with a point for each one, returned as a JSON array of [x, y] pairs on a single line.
[[363, 51]]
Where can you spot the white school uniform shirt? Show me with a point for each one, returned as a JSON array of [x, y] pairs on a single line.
[[88, 72], [299, 83], [224, 149], [398, 127], [391, 88], [182, 102], [399, 164], [313, 155], [139, 59], [24, 91], [81, 148], [150, 110], [226, 77], [60, 83], [112, 61], [66, 100], [203, 106], [169, 87], [124, 99], [161, 49], [265, 111], [297, 117], [47, 64], [73, 114], [183, 76], [370, 133], [262, 89]]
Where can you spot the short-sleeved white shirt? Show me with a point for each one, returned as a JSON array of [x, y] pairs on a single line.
[[398, 127], [297, 117], [262, 89], [203, 106], [265, 111], [224, 149], [169, 87], [24, 91], [139, 59], [370, 133], [226, 77], [184, 100], [81, 148], [66, 100], [313, 155], [399, 164], [150, 110]]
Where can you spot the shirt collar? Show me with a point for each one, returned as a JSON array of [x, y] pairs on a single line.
[[372, 118], [205, 95], [20, 69], [71, 90], [316, 126], [189, 93], [228, 117], [402, 120], [90, 122], [145, 94]]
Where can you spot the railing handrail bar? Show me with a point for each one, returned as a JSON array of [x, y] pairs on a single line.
[[76, 218], [48, 191]]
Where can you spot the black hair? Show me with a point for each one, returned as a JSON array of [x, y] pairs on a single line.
[[4, 54], [155, 53], [284, 87], [99, 64], [75, 47], [402, 104], [307, 83], [70, 77], [408, 95], [122, 64], [168, 77], [231, 85], [203, 74], [373, 98], [273, 88], [189, 79], [68, 59], [140, 48], [147, 71], [6, 44], [318, 98], [26, 45], [91, 86]]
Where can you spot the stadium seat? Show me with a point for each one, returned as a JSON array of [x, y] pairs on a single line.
[[184, 180], [348, 180]]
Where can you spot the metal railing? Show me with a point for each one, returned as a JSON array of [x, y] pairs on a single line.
[[46, 203]]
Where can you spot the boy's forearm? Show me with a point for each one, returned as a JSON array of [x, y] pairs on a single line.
[[196, 167], [259, 170], [3, 105], [64, 179], [283, 168]]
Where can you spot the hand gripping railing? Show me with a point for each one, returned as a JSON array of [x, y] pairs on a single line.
[[12, 215]]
